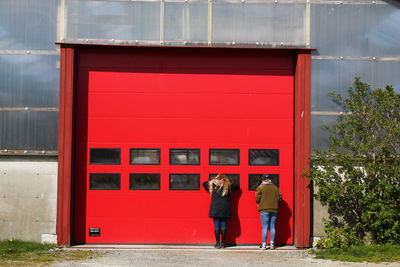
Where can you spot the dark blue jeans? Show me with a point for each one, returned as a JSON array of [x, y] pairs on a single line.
[[268, 220], [219, 224]]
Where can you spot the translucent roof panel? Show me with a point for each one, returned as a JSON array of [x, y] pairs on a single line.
[[119, 20], [338, 75], [258, 21], [29, 80], [356, 30], [186, 21], [28, 24]]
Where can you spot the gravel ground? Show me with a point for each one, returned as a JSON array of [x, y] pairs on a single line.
[[199, 257]]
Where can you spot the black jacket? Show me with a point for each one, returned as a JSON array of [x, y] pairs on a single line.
[[220, 206]]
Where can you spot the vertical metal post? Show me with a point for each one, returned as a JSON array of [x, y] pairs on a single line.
[[161, 21], [186, 22], [308, 24], [61, 23], [209, 32]]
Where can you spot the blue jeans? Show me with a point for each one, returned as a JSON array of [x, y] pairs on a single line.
[[219, 224], [268, 220]]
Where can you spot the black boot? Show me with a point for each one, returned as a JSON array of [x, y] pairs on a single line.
[[217, 244], [223, 234]]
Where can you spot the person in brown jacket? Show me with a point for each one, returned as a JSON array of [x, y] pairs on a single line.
[[267, 198]]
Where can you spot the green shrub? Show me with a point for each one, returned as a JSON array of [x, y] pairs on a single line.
[[358, 178], [338, 237]]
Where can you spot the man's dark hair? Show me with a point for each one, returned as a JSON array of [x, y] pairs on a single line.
[[265, 177]]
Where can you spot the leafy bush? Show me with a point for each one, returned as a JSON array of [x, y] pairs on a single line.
[[338, 237], [358, 178]]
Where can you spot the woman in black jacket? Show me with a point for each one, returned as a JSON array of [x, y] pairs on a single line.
[[220, 208]]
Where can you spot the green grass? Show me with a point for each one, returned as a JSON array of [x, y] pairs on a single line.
[[367, 253], [23, 253]]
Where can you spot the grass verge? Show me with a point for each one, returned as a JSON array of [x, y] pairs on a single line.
[[23, 253], [367, 253]]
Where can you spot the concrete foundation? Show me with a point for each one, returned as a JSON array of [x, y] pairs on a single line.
[[28, 193], [319, 212]]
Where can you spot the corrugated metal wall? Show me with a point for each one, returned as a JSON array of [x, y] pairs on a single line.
[[29, 75], [353, 38]]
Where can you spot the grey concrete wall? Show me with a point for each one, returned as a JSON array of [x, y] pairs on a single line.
[[28, 199], [319, 212]]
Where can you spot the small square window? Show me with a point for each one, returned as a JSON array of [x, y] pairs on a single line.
[[184, 156], [264, 157], [144, 181], [145, 156], [233, 178], [184, 181], [224, 156], [94, 232], [104, 181], [255, 180], [105, 156]]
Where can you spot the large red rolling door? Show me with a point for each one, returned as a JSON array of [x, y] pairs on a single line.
[[152, 124]]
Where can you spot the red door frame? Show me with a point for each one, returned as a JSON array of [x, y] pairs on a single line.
[[302, 115]]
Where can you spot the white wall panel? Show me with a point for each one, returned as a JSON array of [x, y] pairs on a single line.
[[28, 195]]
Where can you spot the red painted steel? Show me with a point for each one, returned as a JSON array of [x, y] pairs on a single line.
[[302, 147], [180, 98], [65, 146]]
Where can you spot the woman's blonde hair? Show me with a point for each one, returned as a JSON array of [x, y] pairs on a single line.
[[221, 182]]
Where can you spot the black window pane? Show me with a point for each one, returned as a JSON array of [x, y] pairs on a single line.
[[144, 181], [145, 156], [224, 156], [184, 156], [255, 180], [104, 181], [94, 231], [265, 157], [184, 181], [105, 156], [233, 178]]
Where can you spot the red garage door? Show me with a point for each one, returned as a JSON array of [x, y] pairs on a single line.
[[154, 124]]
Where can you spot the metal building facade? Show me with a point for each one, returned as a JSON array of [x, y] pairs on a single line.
[[352, 38]]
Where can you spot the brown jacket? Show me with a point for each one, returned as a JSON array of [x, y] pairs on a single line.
[[268, 197]]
